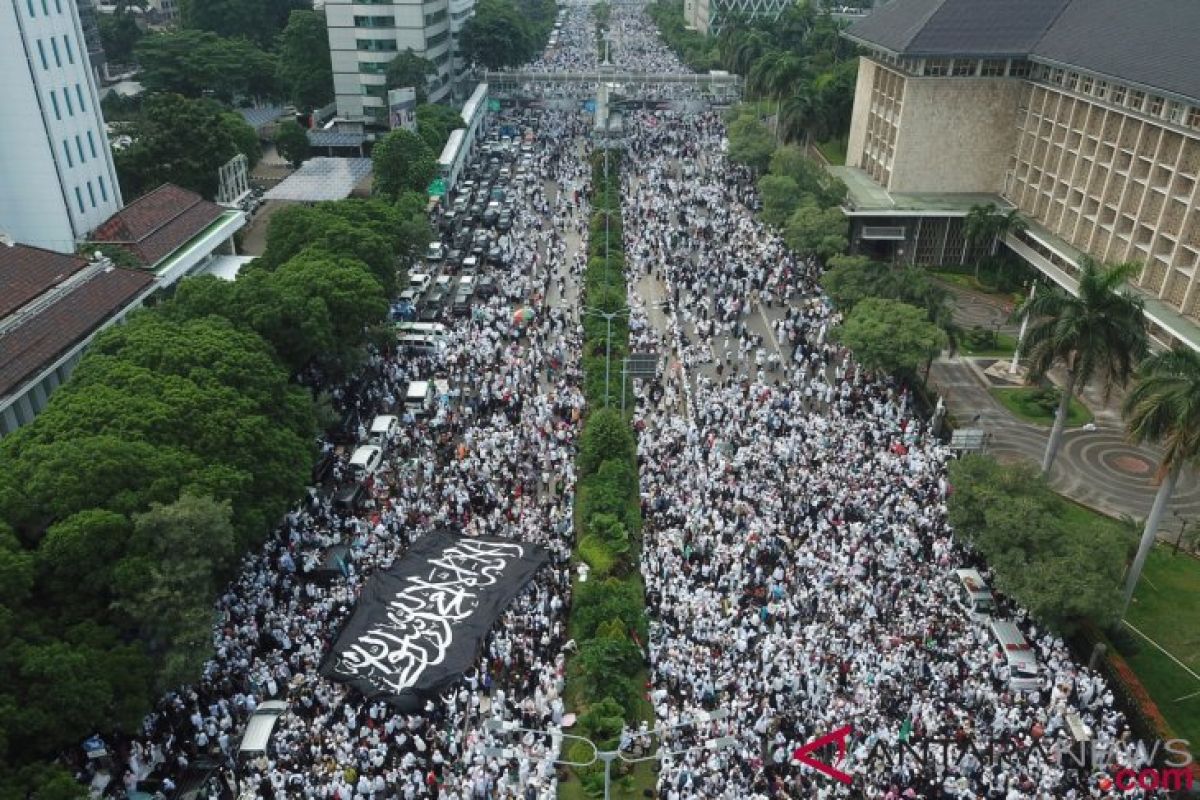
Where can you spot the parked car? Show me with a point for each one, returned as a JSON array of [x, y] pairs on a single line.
[[365, 461], [486, 287], [496, 257]]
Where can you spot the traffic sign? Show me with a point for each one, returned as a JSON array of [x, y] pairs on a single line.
[[437, 187], [493, 104]]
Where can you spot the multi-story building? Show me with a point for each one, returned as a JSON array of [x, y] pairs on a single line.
[[707, 16], [460, 12], [1082, 114], [365, 36], [59, 181]]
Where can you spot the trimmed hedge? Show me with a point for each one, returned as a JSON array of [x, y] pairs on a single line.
[[608, 618]]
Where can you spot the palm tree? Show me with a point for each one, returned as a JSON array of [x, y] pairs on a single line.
[[986, 223], [1098, 332], [1164, 407]]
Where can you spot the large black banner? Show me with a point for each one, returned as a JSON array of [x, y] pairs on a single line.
[[418, 626]]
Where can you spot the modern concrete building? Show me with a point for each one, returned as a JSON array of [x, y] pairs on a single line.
[[1082, 114], [460, 12], [707, 16], [57, 179], [365, 36]]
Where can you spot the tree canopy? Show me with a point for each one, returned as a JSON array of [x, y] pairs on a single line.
[[291, 140], [889, 336], [119, 32], [305, 68], [499, 36], [402, 163], [1059, 570], [262, 20], [435, 123], [197, 63], [182, 141], [409, 70]]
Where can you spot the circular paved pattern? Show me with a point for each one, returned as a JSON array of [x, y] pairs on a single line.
[[1131, 464], [972, 311], [1103, 469]]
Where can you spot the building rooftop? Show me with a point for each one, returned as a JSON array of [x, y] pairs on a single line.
[[1149, 42], [26, 272], [159, 223], [29, 346], [958, 27], [865, 198]]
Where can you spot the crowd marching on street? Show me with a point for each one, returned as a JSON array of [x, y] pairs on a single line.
[[796, 552]]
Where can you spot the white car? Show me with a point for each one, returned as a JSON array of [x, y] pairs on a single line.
[[366, 461]]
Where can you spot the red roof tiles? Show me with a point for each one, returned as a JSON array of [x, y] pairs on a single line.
[[26, 272], [36, 343], [159, 223]]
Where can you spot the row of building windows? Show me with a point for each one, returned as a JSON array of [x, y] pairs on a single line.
[[1120, 95], [79, 149], [372, 67], [91, 191], [377, 45], [386, 21], [58, 62], [970, 67], [70, 104], [434, 41], [435, 17], [45, 8]]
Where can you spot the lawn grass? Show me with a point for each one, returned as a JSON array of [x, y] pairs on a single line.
[[1166, 607], [966, 280], [1005, 345], [1019, 404], [834, 151]]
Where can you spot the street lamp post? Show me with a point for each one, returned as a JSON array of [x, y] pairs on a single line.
[[609, 756]]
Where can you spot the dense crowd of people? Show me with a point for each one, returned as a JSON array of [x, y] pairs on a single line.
[[796, 553]]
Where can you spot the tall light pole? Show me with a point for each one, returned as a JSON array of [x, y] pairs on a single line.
[[609, 756], [608, 317]]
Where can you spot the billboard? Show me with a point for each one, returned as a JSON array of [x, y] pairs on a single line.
[[402, 109]]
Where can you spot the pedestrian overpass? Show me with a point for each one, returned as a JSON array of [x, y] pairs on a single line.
[[715, 87]]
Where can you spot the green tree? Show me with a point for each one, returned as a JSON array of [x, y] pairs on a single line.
[[1100, 332], [409, 70], [750, 143], [435, 123], [780, 195], [814, 186], [291, 141], [816, 231], [1163, 408], [75, 560], [987, 225], [197, 63], [851, 279], [261, 19], [119, 33], [305, 69], [889, 336], [1060, 571], [179, 141], [497, 36], [606, 436], [166, 588], [402, 163], [245, 138]]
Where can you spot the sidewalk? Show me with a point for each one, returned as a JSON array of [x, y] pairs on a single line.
[[1099, 469]]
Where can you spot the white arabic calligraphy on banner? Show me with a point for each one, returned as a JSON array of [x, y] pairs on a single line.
[[417, 630]]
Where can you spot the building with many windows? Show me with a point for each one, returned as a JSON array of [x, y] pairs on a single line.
[[707, 16], [364, 36], [1082, 114], [58, 179]]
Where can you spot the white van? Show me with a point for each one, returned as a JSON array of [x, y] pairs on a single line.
[[433, 330], [418, 343], [383, 428], [1019, 655], [366, 461], [259, 728], [418, 396], [466, 283], [972, 595]]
